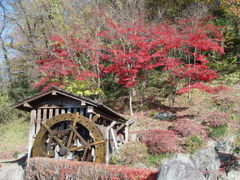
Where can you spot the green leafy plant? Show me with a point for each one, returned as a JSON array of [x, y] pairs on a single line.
[[218, 131], [155, 160], [192, 144]]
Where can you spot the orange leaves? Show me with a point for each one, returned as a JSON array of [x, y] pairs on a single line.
[[45, 168]]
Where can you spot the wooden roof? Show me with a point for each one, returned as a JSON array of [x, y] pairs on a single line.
[[26, 104]]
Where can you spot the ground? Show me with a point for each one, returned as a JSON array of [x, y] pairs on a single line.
[[13, 138]]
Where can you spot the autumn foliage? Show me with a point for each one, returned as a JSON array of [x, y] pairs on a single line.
[[161, 141], [130, 50], [187, 128], [45, 168]]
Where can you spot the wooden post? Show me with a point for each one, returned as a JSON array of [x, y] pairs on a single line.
[[31, 131], [114, 140], [56, 112], [107, 141], [39, 112], [126, 133], [62, 111], [44, 115], [50, 113]]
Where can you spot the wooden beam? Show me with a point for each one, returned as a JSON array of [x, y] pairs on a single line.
[[107, 141], [114, 139], [56, 138], [83, 147]]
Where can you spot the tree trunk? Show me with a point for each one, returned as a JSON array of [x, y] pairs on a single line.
[[130, 101]]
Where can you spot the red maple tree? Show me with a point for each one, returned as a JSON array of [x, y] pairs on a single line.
[[181, 49], [130, 49]]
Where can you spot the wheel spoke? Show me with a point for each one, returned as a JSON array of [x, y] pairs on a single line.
[[51, 133], [71, 133], [82, 147], [79, 136]]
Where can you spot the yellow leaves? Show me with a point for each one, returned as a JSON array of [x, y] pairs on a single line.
[[82, 87], [231, 6]]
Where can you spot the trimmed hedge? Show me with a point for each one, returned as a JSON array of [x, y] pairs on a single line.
[[61, 169]]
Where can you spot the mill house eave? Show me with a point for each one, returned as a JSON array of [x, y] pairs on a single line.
[[54, 98]]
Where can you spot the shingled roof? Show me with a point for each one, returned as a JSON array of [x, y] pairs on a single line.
[[26, 103]]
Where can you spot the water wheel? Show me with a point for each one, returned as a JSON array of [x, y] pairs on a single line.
[[70, 136]]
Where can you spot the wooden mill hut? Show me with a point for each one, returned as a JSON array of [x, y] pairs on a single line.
[[66, 125]]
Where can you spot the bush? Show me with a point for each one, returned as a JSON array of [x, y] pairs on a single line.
[[187, 128], [219, 131], [6, 111], [214, 120], [192, 144], [130, 154], [155, 160], [160, 141], [46, 168]]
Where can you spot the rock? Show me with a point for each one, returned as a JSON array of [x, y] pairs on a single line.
[[181, 168], [233, 175], [165, 116], [206, 161], [225, 146], [11, 172]]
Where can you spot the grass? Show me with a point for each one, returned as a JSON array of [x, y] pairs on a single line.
[[155, 160], [218, 132], [13, 138]]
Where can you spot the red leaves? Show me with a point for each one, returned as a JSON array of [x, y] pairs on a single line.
[[142, 47], [160, 141], [63, 169], [187, 128], [128, 50], [202, 87]]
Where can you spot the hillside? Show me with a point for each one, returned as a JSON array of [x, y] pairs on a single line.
[[190, 116]]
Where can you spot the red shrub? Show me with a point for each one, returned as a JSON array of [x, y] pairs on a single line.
[[160, 141], [45, 168], [186, 128], [216, 119]]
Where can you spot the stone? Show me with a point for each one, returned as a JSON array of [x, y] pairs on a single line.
[[180, 168], [12, 172], [206, 161], [225, 146], [233, 175]]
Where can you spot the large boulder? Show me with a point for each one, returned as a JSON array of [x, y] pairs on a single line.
[[180, 168], [12, 172], [206, 161]]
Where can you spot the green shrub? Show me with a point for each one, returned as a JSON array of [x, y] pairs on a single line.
[[234, 117], [219, 131], [192, 144], [6, 111], [130, 154], [155, 160], [236, 141]]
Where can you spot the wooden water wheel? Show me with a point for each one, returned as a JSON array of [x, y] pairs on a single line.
[[70, 136]]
